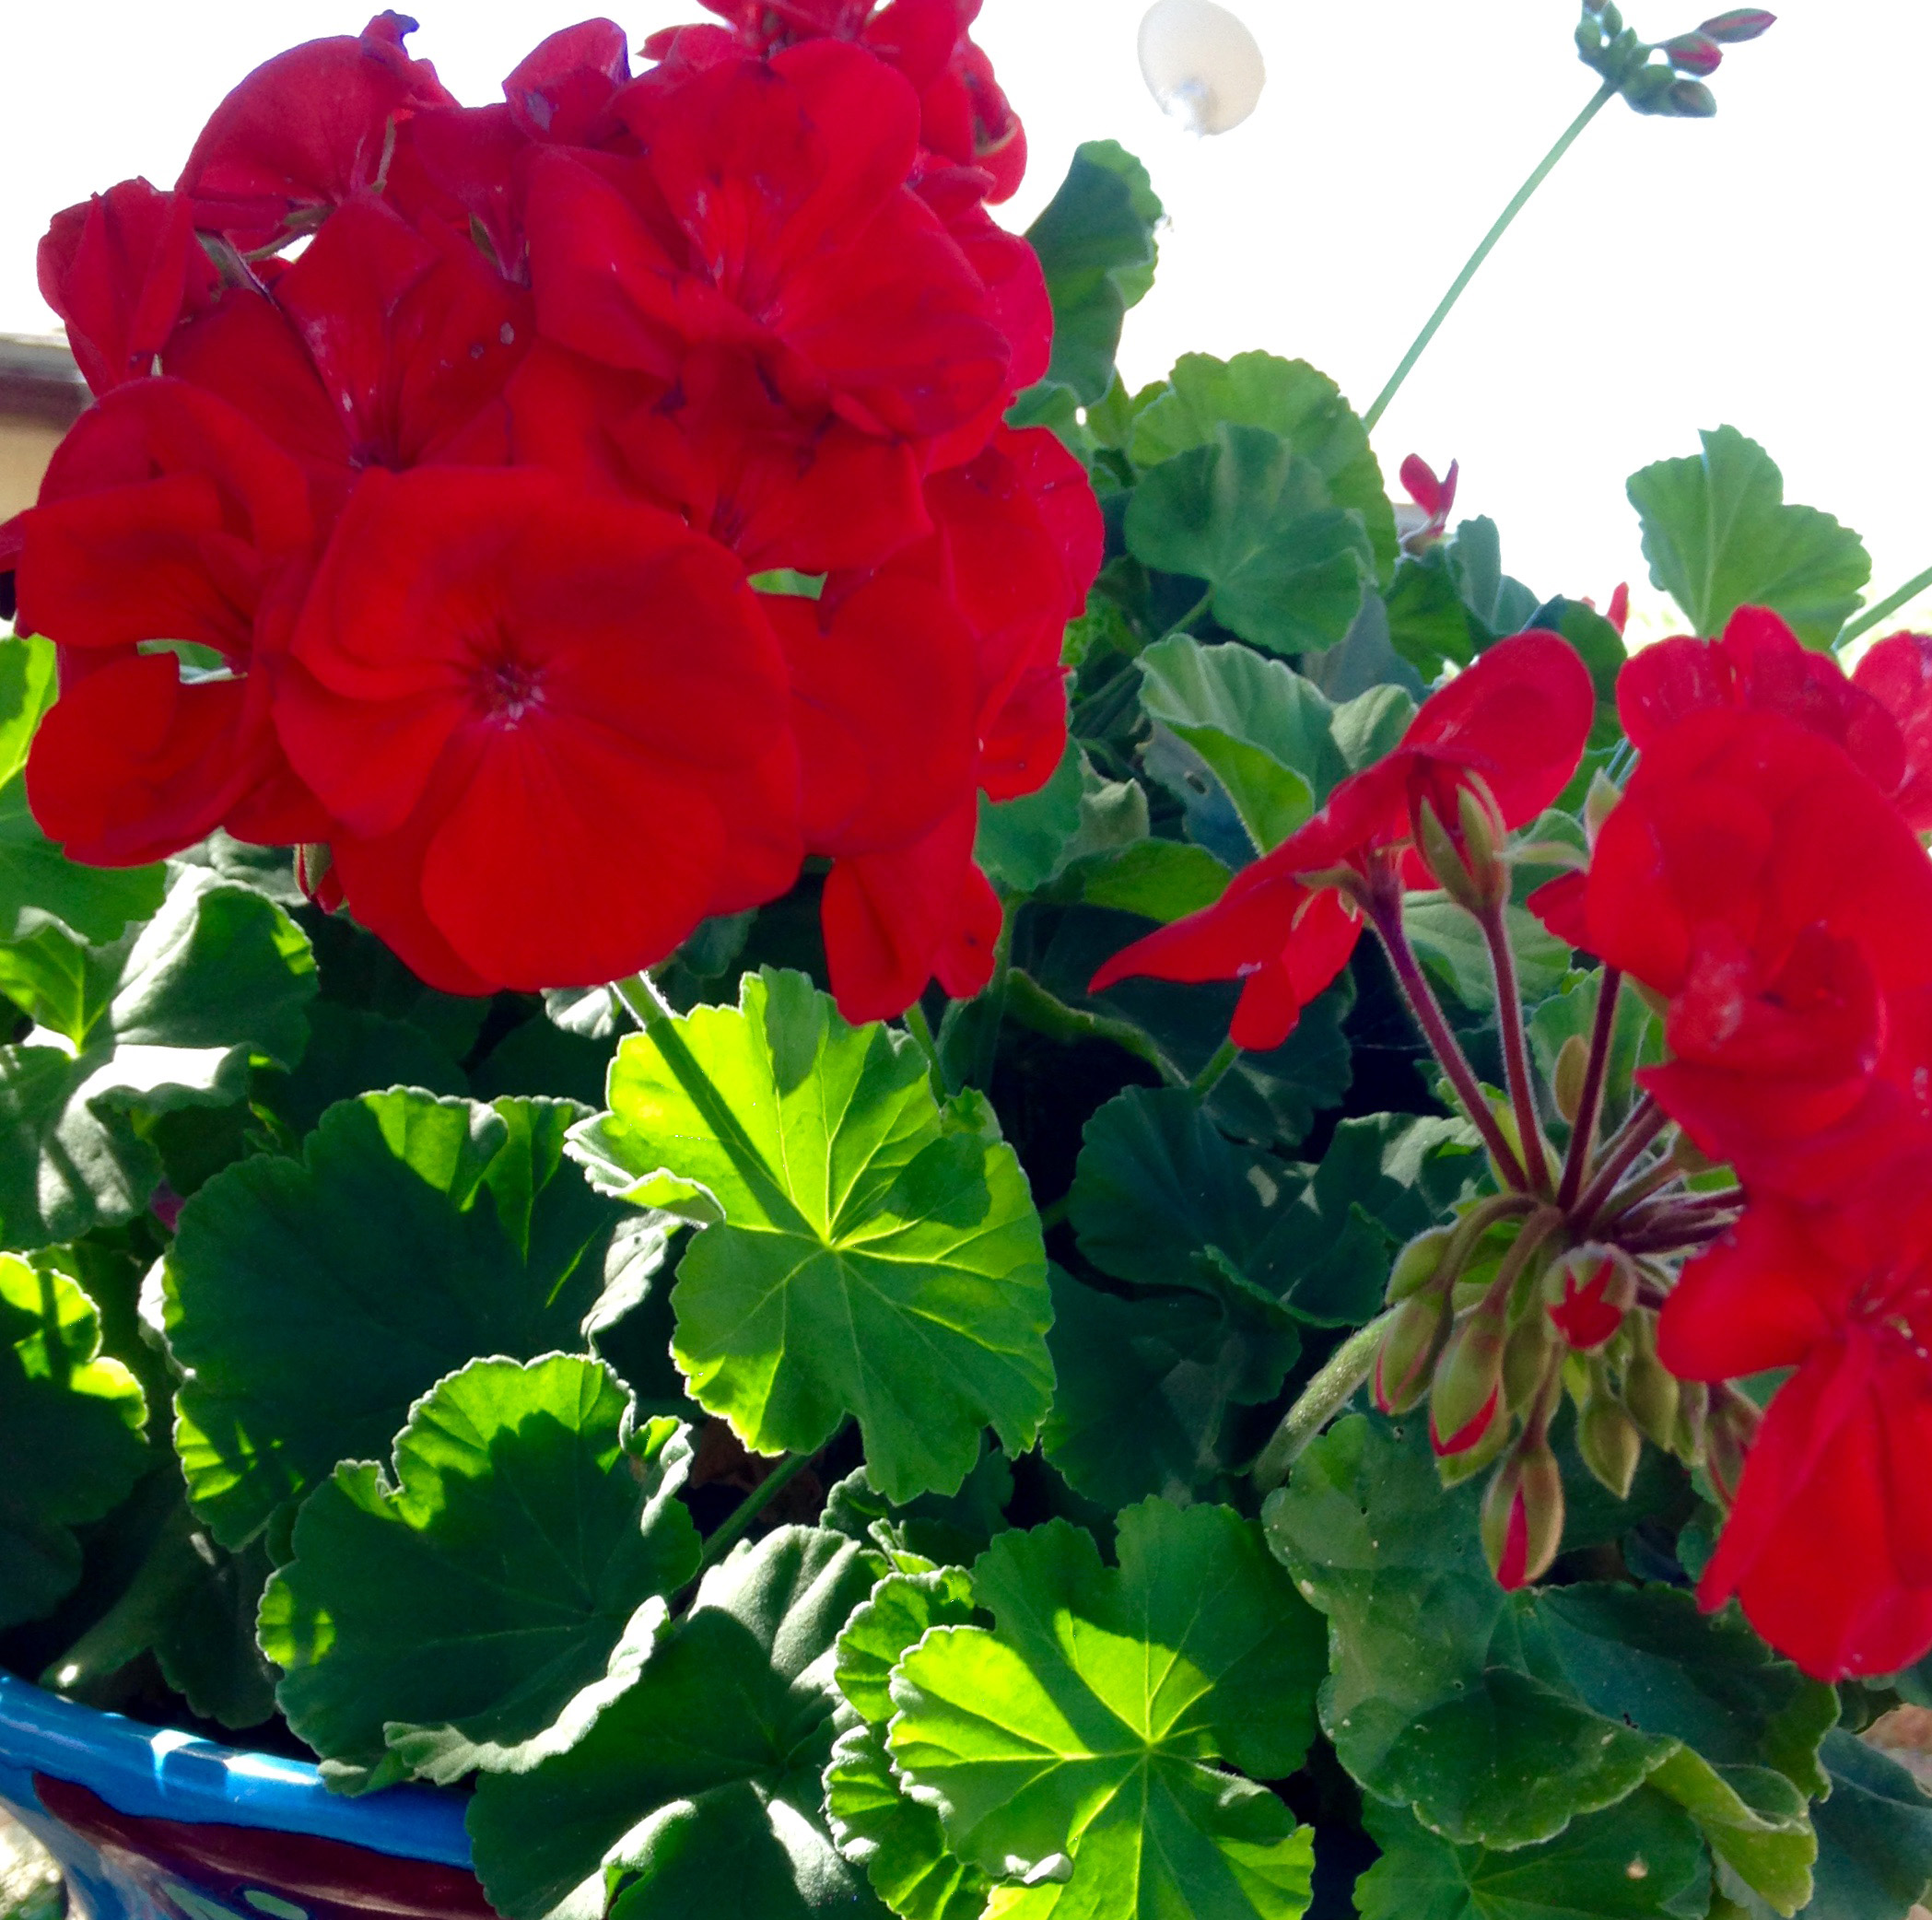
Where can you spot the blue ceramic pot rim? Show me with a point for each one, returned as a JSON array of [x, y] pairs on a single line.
[[154, 1774]]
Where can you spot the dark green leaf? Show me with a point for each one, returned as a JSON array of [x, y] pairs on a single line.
[[351, 1052], [37, 879], [706, 1772], [1718, 537], [72, 1428], [171, 1018], [1255, 523], [1147, 1385], [946, 1528], [1095, 243], [312, 1302], [1638, 1859], [1637, 1039], [1070, 1741], [1287, 397], [1429, 622], [1022, 843], [868, 1261], [476, 1607], [1163, 879], [1874, 1836], [1448, 941], [1500, 605]]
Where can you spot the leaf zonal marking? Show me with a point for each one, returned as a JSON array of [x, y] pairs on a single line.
[[1072, 1747], [859, 1254]]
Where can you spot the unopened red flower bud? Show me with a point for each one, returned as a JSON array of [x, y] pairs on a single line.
[[1526, 1356], [1607, 1437], [1523, 1514], [1650, 1390], [1694, 53], [1732, 1426], [1741, 24], [1466, 1399], [1405, 1360], [1589, 1293]]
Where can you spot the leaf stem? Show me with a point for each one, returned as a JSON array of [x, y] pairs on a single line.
[[1385, 916], [1211, 1076], [986, 1053], [1516, 1050], [1319, 1401], [1870, 618], [1590, 1108], [1604, 95], [755, 1502], [1186, 623]]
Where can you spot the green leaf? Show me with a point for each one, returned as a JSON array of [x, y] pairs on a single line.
[[1874, 1836], [27, 686], [1255, 521], [477, 1605], [1162, 880], [72, 1426], [1288, 397], [897, 1840], [1148, 1386], [1637, 1859], [1068, 1745], [949, 1529], [1718, 537], [869, 1260], [1022, 843], [1265, 732], [1157, 1186], [1429, 622], [1448, 941], [1500, 605], [352, 1052], [876, 1824], [706, 1772], [171, 1018], [1636, 1040], [1096, 246], [37, 878], [311, 1302]]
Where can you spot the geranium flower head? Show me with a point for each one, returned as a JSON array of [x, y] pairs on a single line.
[[1515, 722], [496, 682]]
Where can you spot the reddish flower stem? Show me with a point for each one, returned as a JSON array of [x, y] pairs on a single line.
[[1648, 1119], [1589, 1109], [1516, 1050], [1385, 911]]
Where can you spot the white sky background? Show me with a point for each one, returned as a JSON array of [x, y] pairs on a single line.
[[1765, 269]]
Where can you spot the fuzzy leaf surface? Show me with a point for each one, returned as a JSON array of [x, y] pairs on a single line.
[[869, 1260], [72, 1427], [168, 1017], [1072, 1742], [698, 1789], [451, 1614], [312, 1302]]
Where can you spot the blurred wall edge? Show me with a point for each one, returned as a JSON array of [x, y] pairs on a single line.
[[42, 396]]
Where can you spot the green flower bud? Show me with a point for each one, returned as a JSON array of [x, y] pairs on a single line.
[[1693, 1406], [1650, 1389], [1597, 804], [1405, 1359], [1526, 1357], [1522, 1521], [1465, 1397], [1417, 1263], [1607, 1437], [1572, 1067]]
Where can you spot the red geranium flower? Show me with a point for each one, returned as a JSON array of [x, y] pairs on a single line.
[[120, 271], [1829, 1545], [1897, 673], [1516, 721], [500, 687], [1754, 876], [770, 211], [305, 131], [165, 517]]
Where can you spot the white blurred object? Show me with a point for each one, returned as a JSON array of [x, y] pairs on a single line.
[[1200, 64]]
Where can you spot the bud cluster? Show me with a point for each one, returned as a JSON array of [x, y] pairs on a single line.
[[1494, 1319], [1667, 78]]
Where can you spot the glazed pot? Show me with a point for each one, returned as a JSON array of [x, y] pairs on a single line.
[[156, 1825]]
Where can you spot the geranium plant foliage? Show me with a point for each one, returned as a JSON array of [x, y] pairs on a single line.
[[879, 1132]]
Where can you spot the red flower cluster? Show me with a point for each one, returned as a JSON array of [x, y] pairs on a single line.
[[1762, 874], [430, 541]]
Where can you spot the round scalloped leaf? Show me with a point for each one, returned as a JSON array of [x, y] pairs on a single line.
[[896, 1839], [1070, 1746], [71, 1428], [311, 1303], [698, 1789], [869, 1260], [474, 1608]]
